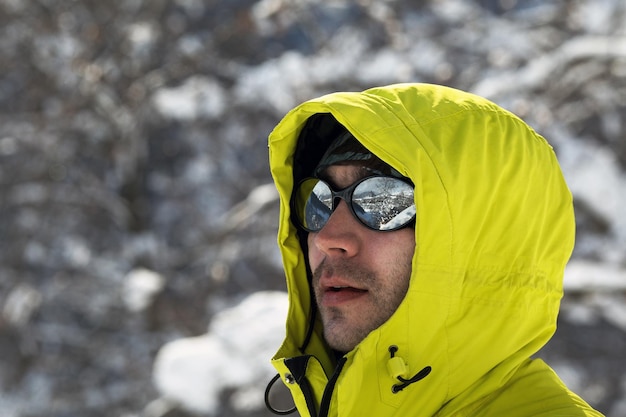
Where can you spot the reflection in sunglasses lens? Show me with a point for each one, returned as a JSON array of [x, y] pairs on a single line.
[[318, 207], [384, 203], [380, 203]]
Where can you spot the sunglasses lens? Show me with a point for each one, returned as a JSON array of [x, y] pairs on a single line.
[[384, 203], [380, 203], [314, 204]]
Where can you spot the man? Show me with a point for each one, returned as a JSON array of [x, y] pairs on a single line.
[[424, 233]]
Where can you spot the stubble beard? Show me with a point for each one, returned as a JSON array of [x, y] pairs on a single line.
[[344, 327]]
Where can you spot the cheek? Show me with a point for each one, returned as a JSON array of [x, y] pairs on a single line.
[[409, 241], [399, 242], [398, 249], [314, 254]]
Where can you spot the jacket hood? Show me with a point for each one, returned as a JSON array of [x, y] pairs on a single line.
[[494, 230]]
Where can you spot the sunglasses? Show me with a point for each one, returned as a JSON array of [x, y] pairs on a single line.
[[380, 203]]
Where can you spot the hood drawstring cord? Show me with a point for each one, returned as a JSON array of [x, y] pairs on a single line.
[[397, 367], [267, 399]]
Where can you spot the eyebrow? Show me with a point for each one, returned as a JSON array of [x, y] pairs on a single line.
[[362, 172]]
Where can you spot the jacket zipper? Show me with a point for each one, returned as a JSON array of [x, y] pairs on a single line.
[[297, 366], [330, 387], [307, 392]]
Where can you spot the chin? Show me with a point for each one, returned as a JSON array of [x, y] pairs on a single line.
[[338, 341]]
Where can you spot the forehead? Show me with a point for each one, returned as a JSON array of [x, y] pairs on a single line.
[[343, 175]]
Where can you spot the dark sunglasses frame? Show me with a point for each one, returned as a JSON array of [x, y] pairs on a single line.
[[345, 194]]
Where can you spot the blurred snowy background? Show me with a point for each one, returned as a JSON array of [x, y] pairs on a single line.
[[139, 275]]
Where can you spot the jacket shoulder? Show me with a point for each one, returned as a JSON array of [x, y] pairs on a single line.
[[534, 390]]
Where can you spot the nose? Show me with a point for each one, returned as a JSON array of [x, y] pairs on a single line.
[[340, 236]]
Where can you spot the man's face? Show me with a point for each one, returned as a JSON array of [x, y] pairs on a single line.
[[360, 275]]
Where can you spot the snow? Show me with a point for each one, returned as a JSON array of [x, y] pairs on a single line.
[[267, 85], [581, 275], [21, 304], [197, 97], [534, 74], [141, 36], [234, 353], [140, 287], [596, 180]]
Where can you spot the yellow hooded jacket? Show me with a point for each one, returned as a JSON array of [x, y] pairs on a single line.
[[494, 230]]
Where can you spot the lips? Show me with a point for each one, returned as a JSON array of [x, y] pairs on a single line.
[[339, 283], [334, 295]]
